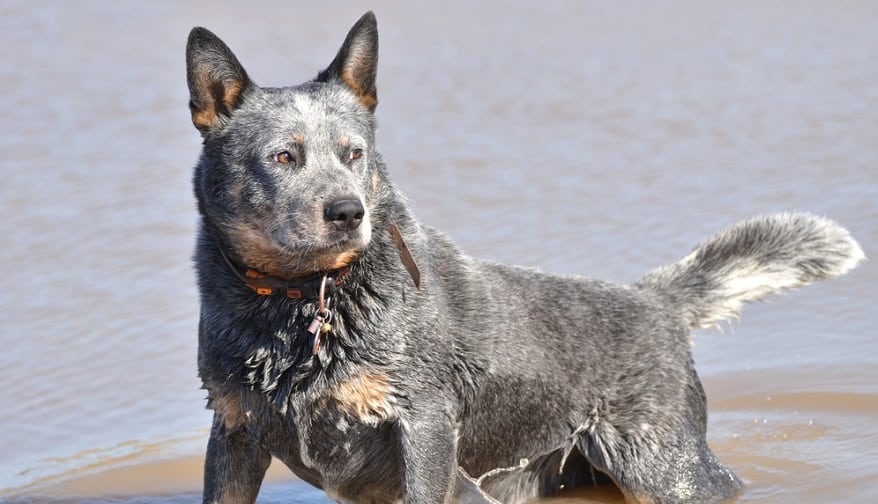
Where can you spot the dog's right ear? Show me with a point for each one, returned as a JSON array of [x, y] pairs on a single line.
[[217, 81]]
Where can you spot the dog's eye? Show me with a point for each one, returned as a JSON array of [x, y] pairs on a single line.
[[284, 157], [356, 154]]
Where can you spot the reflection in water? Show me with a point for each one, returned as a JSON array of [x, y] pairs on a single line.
[[589, 138]]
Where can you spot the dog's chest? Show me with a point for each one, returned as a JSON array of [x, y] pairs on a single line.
[[340, 436]]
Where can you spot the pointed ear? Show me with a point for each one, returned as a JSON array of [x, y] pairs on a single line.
[[356, 62], [217, 81]]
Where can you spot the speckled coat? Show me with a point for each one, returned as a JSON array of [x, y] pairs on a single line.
[[460, 380]]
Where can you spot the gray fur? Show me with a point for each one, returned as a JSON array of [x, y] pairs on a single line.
[[489, 382], [751, 260]]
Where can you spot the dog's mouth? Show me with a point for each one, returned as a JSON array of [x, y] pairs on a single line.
[[287, 257]]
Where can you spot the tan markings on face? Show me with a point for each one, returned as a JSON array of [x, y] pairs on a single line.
[[263, 256], [344, 142], [337, 261], [257, 251], [366, 397], [299, 138]]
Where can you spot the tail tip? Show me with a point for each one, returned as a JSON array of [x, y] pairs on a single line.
[[838, 243]]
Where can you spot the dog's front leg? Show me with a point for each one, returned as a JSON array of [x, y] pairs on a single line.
[[429, 450], [234, 466]]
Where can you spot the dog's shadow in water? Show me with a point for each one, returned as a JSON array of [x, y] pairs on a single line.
[[603, 494]]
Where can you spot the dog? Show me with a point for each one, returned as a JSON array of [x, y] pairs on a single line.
[[380, 364]]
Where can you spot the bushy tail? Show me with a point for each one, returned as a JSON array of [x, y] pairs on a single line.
[[751, 260]]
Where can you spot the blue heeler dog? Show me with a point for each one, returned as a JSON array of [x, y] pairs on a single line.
[[381, 364]]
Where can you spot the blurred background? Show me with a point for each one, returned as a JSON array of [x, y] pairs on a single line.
[[593, 138]]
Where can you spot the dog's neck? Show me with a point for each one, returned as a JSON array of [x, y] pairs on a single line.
[[308, 287]]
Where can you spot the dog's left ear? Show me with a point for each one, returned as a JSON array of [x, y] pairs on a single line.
[[217, 81], [357, 61]]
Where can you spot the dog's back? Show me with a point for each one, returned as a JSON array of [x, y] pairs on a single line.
[[618, 358]]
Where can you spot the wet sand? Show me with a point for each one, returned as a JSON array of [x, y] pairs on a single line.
[[577, 137], [177, 476]]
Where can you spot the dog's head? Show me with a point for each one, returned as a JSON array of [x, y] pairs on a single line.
[[286, 176]]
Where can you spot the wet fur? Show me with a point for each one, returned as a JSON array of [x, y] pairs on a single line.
[[490, 382]]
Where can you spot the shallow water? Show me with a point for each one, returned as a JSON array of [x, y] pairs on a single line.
[[579, 137]]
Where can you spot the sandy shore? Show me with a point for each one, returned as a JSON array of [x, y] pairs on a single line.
[[182, 475]]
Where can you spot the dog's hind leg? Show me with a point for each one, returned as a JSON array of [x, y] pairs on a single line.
[[662, 457], [681, 470], [662, 460]]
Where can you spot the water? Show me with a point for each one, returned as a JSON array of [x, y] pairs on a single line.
[[579, 137]]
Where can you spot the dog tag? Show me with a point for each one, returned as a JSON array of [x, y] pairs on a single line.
[[316, 328], [316, 324], [316, 346]]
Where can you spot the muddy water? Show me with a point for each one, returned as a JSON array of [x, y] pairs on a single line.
[[595, 138]]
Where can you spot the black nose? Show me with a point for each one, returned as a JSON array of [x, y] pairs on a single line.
[[346, 214]]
